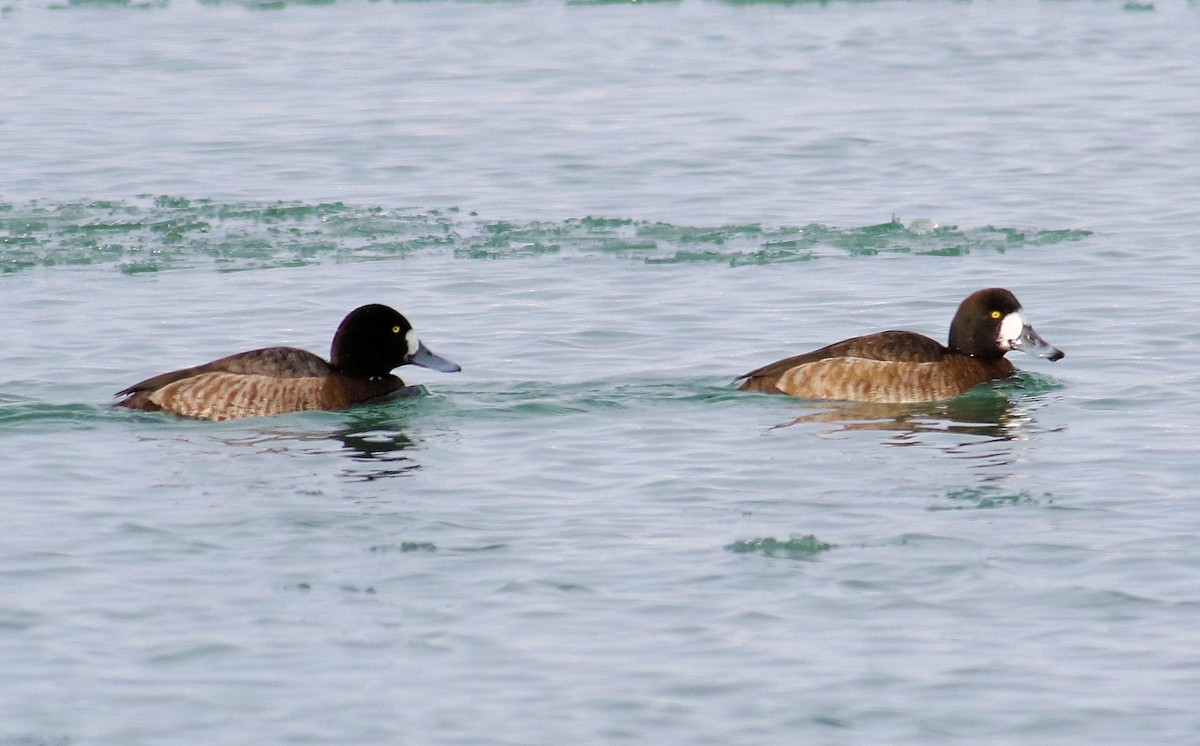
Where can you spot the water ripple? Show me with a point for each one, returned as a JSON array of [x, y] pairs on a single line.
[[155, 234]]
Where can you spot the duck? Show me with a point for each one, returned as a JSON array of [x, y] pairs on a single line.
[[901, 367], [371, 341]]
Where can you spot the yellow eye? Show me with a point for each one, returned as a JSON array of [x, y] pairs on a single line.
[[395, 330], [996, 314]]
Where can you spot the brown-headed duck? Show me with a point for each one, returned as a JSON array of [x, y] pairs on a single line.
[[370, 342], [905, 367]]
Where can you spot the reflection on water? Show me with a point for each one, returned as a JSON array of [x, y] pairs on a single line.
[[984, 427], [384, 452], [374, 444], [991, 416], [983, 418]]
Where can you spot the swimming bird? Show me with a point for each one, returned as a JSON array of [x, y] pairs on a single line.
[[906, 367], [370, 342]]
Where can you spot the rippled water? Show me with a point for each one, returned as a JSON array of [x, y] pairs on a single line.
[[604, 213]]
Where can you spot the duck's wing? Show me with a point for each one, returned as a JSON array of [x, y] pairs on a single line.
[[888, 347], [272, 362]]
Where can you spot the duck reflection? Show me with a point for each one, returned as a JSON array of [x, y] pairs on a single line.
[[376, 446], [383, 452], [984, 417]]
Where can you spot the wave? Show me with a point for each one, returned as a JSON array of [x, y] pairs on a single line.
[[155, 234]]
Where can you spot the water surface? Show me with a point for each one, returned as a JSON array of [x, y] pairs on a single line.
[[604, 213]]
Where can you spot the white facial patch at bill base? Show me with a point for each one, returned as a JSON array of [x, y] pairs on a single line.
[[1011, 329], [414, 344]]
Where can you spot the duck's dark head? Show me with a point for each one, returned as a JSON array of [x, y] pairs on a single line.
[[374, 339], [988, 324]]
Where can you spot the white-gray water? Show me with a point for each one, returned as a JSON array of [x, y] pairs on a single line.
[[604, 213]]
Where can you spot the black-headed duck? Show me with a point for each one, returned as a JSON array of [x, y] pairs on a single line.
[[370, 342], [905, 367]]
